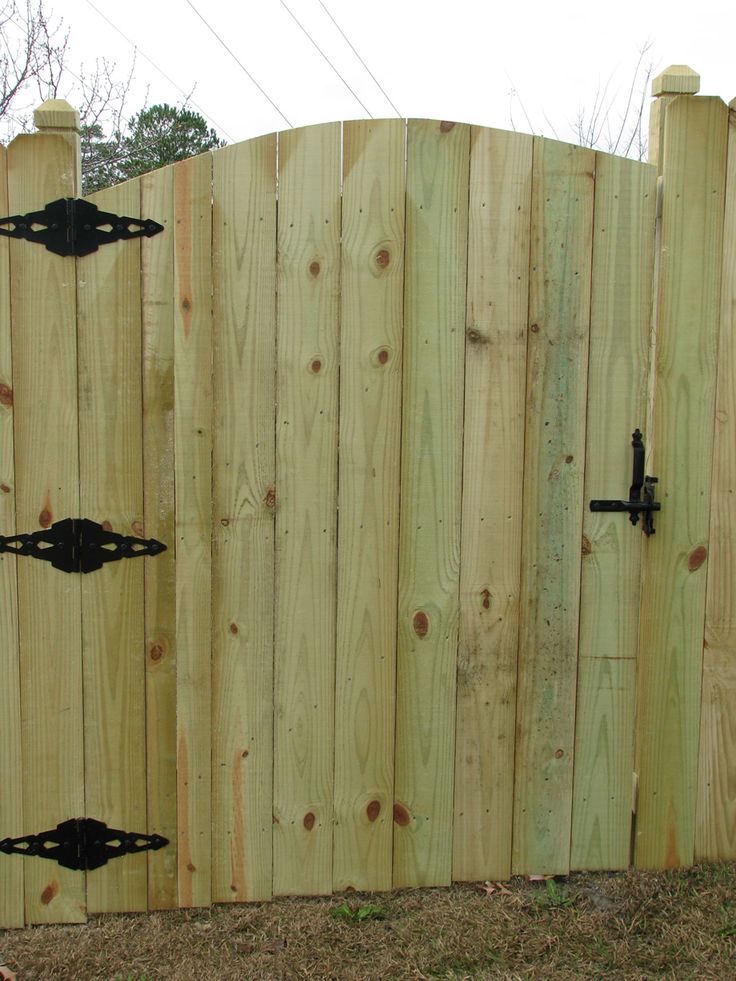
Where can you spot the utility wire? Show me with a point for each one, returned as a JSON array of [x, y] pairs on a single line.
[[347, 41], [159, 70], [260, 89], [303, 28]]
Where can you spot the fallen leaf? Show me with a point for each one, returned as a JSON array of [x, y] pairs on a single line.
[[491, 888]]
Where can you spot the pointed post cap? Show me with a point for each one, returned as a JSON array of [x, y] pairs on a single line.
[[56, 114], [676, 80]]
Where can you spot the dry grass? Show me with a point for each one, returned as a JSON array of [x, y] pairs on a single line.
[[666, 925]]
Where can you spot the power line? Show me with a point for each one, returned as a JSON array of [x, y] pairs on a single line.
[[260, 89], [347, 40], [159, 70], [303, 28]]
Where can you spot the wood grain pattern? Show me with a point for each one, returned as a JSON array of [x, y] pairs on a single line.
[[673, 605], [193, 456], [306, 510], [244, 284], [157, 380], [431, 475], [715, 827], [618, 373], [41, 168], [495, 385], [559, 315], [372, 286], [11, 767], [110, 453]]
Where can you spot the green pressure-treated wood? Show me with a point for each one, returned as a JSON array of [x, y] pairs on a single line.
[[244, 285], [193, 496], [111, 493], [11, 800], [493, 455], [306, 507], [559, 318], [431, 474], [621, 306], [715, 829], [673, 604], [371, 288], [157, 383], [42, 168]]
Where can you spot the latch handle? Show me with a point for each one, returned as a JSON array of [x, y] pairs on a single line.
[[636, 504]]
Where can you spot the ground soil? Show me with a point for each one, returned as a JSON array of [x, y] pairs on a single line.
[[680, 924]]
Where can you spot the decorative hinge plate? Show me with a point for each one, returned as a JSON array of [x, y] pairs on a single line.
[[72, 226], [82, 844], [79, 545]]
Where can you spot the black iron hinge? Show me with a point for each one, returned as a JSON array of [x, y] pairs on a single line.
[[82, 844], [72, 226], [641, 493], [79, 545]]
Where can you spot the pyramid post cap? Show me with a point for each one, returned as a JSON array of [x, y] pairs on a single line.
[[676, 80], [56, 114]]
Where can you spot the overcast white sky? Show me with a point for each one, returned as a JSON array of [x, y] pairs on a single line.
[[523, 65]]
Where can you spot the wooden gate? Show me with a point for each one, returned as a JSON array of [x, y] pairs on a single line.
[[363, 386]]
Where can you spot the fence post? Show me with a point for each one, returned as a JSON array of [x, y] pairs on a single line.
[[689, 146], [44, 167], [715, 835], [673, 81]]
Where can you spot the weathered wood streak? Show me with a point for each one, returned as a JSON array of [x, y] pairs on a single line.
[[559, 317]]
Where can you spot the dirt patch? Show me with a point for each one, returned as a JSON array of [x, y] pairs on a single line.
[[631, 925]]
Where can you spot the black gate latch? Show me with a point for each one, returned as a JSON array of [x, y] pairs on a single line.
[[79, 545], [72, 226], [82, 844], [636, 505]]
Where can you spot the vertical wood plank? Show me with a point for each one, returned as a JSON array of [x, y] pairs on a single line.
[[306, 502], [673, 604], [372, 285], [42, 168], [431, 475], [193, 455], [157, 306], [244, 248], [495, 383], [110, 452], [618, 372], [11, 764], [559, 315], [715, 831]]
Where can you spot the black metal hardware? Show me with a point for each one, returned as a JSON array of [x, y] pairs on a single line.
[[636, 504], [79, 545], [82, 844], [71, 226]]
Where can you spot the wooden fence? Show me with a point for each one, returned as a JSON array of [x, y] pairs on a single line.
[[363, 387]]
